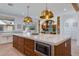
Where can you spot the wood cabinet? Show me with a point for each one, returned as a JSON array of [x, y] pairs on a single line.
[[29, 47], [21, 44], [18, 43], [63, 49], [26, 46], [15, 41]]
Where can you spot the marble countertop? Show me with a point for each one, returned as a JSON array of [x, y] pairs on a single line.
[[47, 38]]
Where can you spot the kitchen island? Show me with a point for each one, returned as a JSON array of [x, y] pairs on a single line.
[[60, 45]]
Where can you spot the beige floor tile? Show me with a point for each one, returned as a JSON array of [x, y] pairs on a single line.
[[8, 50]]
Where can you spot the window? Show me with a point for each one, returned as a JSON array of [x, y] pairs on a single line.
[[1, 28], [7, 25]]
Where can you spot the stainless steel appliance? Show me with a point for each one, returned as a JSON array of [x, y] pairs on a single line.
[[43, 48]]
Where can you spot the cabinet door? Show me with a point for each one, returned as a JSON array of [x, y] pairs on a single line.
[[15, 41], [29, 47], [21, 44], [59, 50], [18, 43], [68, 47], [63, 49], [29, 43]]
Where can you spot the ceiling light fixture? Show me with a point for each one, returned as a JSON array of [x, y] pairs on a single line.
[[46, 14], [27, 19], [65, 9]]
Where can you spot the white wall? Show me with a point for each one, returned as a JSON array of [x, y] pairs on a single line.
[[78, 29], [70, 26], [18, 23]]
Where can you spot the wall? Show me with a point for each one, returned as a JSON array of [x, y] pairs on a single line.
[[18, 23], [66, 23], [70, 26], [78, 29]]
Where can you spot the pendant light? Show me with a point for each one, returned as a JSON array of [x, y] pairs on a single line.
[[46, 14], [27, 19]]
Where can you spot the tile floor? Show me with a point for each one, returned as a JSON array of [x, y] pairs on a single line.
[[8, 50], [74, 48]]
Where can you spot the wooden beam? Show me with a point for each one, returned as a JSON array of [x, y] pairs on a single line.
[[75, 6]]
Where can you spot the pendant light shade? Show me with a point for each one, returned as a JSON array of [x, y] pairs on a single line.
[[46, 14], [27, 19]]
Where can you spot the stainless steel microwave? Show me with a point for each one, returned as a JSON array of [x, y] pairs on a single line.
[[43, 48]]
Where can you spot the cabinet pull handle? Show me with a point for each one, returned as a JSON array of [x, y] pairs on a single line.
[[65, 44]]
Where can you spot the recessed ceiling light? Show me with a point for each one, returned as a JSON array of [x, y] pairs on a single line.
[[23, 13], [65, 9]]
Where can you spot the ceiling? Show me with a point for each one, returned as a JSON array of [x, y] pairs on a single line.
[[20, 9]]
